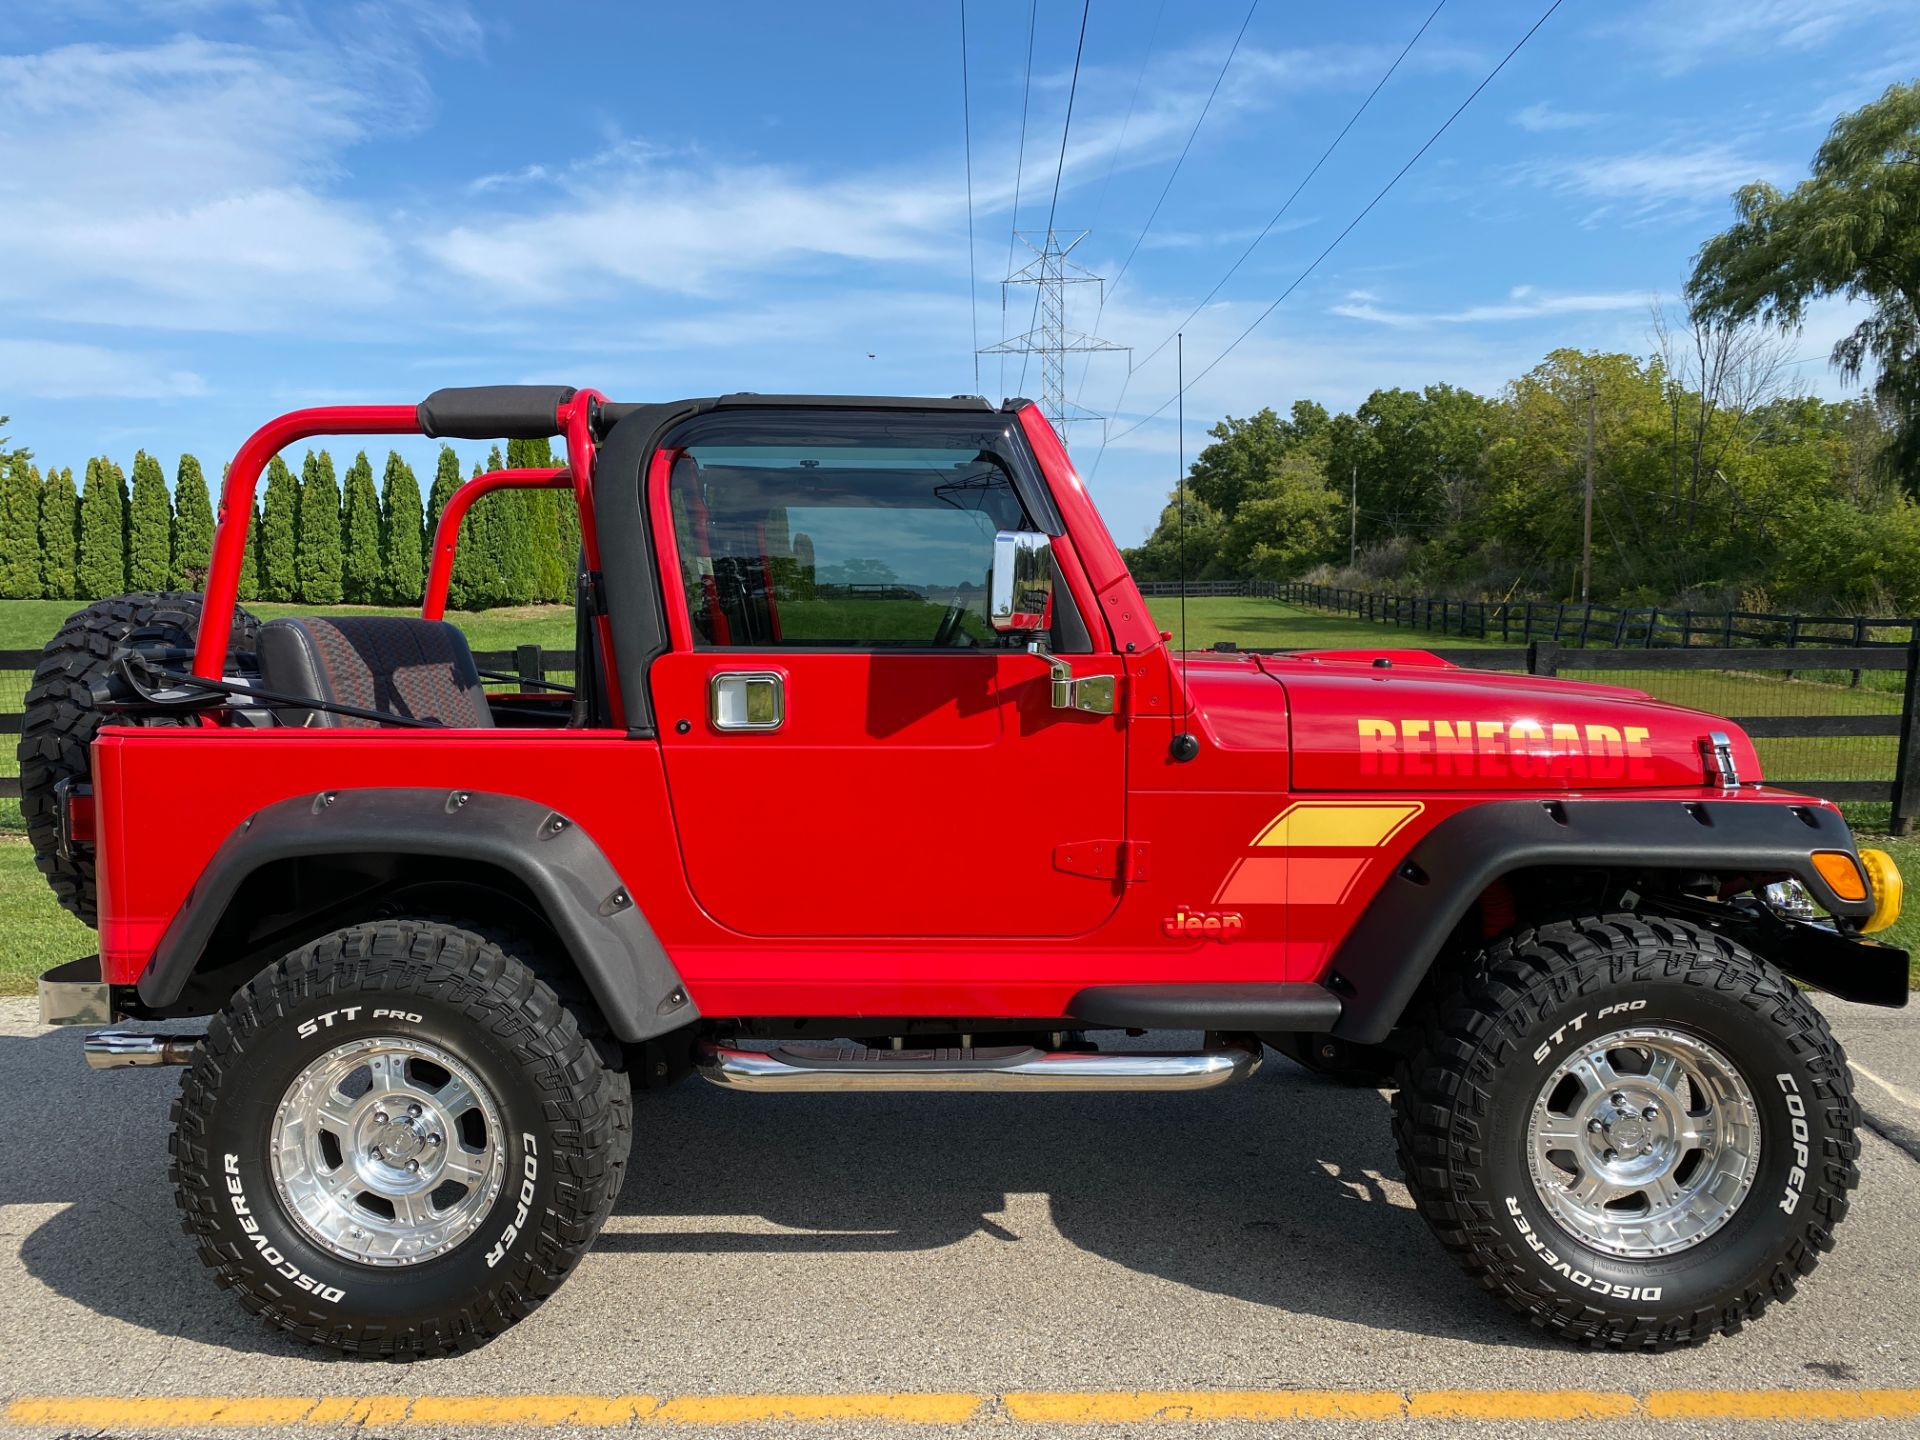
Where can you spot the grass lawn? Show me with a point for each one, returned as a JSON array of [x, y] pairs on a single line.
[[39, 934]]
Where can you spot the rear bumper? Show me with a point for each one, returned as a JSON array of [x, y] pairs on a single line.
[[74, 994]]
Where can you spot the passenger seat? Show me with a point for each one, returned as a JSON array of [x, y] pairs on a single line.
[[416, 669]]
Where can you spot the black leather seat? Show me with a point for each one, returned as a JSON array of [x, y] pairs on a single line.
[[418, 669]]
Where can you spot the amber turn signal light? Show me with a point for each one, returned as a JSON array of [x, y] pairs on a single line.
[[1883, 879], [1841, 873]]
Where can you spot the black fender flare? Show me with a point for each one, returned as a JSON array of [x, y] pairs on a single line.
[[584, 899], [1380, 964]]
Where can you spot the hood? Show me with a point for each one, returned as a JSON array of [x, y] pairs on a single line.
[[1417, 722]]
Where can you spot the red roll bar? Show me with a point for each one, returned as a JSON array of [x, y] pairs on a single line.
[[446, 534], [572, 419]]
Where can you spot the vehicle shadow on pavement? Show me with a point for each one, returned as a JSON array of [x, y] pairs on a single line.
[[1282, 1192]]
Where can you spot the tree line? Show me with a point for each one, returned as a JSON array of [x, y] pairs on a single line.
[[1717, 482], [315, 537]]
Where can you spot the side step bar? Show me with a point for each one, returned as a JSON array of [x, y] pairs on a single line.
[[117, 1049], [794, 1067]]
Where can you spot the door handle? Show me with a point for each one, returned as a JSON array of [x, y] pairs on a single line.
[[747, 700]]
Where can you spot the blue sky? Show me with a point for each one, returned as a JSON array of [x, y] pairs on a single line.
[[213, 210]]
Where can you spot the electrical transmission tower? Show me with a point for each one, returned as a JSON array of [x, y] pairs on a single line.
[[1050, 338]]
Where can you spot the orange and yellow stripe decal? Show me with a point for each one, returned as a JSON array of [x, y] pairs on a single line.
[[1358, 828]]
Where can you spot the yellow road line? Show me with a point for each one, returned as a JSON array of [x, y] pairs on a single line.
[[1020, 1407]]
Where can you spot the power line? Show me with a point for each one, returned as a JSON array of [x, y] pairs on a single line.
[[1280, 214], [1119, 144], [966, 129], [1348, 229], [1167, 189], [1019, 173], [1066, 129]]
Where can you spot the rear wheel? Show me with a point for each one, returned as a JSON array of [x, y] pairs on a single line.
[[1629, 1128], [397, 1141], [61, 718]]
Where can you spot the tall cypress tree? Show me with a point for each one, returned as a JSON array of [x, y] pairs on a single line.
[[279, 546], [20, 577], [361, 573], [102, 566], [446, 480], [541, 509], [318, 565], [149, 526], [59, 533], [402, 525], [192, 526], [250, 564], [569, 517], [475, 570]]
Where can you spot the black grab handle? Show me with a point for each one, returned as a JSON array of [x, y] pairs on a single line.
[[493, 412]]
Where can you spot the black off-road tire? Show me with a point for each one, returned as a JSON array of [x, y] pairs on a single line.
[[1486, 1047], [566, 1124], [61, 718]]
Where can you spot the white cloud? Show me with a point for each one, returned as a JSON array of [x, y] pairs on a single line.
[[1651, 180], [1540, 116], [1521, 305], [1681, 37], [52, 369]]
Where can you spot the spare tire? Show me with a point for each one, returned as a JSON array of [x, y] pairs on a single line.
[[61, 717]]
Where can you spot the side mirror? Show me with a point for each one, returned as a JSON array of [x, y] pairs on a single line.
[[1020, 592]]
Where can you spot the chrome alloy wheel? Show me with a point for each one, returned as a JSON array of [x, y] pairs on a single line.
[[1644, 1142], [387, 1151]]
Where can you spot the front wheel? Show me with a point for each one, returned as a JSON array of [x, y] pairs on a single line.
[[396, 1141], [1629, 1128]]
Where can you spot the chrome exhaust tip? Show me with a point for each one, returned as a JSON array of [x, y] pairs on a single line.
[[118, 1049], [847, 1068]]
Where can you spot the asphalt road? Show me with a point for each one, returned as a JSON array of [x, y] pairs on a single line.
[[1252, 1239]]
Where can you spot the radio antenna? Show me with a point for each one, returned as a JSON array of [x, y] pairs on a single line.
[[1184, 746]]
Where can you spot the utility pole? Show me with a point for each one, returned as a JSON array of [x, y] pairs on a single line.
[[1050, 339], [1586, 526], [1353, 520]]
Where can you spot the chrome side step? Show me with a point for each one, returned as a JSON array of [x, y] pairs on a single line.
[[793, 1067], [117, 1049]]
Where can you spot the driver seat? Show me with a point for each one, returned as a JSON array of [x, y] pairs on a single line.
[[416, 669]]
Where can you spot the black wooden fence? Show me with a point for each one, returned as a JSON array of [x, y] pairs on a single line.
[[1569, 622]]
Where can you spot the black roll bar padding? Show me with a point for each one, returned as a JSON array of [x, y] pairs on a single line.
[[493, 412], [610, 413]]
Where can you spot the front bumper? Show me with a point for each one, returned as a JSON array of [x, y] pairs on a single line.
[[74, 994]]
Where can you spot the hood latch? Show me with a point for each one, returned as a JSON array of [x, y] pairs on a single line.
[[1716, 750]]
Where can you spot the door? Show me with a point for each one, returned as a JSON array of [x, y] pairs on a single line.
[[851, 749]]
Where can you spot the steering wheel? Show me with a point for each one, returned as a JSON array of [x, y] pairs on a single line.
[[949, 625]]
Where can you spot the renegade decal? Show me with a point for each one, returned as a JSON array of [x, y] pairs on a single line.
[[1529, 749], [1185, 924]]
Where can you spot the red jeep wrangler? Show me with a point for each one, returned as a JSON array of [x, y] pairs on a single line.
[[876, 775]]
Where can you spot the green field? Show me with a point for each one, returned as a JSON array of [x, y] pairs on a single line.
[[41, 934]]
